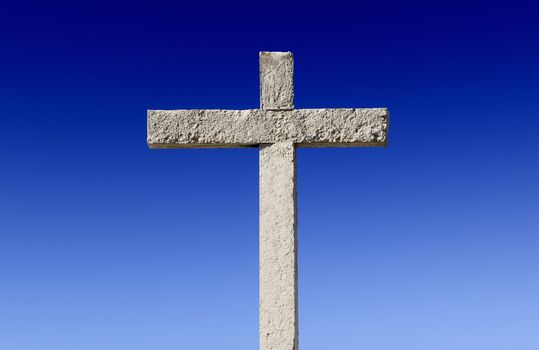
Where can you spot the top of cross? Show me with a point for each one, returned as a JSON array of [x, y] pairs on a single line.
[[276, 80], [275, 121]]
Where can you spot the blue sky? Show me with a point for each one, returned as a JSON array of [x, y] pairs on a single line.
[[430, 243]]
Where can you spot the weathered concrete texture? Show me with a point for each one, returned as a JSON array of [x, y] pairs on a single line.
[[277, 128], [278, 248], [251, 127], [276, 80]]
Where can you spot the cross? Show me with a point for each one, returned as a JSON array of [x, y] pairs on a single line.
[[277, 129]]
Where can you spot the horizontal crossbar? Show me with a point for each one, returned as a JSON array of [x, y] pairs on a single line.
[[331, 127]]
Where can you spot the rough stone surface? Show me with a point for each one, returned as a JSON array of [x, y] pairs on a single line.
[[278, 248], [251, 127], [277, 128], [276, 80]]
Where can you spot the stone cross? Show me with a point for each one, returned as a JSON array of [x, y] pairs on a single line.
[[277, 129]]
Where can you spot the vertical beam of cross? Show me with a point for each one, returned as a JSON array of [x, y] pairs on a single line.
[[278, 214]]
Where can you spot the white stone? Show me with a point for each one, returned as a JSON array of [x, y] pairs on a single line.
[[277, 129], [276, 80], [251, 127], [278, 247]]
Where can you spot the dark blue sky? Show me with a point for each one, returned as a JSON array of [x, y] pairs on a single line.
[[430, 243]]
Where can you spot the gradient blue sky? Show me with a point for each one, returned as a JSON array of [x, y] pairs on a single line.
[[431, 243]]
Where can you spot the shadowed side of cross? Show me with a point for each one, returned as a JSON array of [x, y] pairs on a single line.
[[277, 128]]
